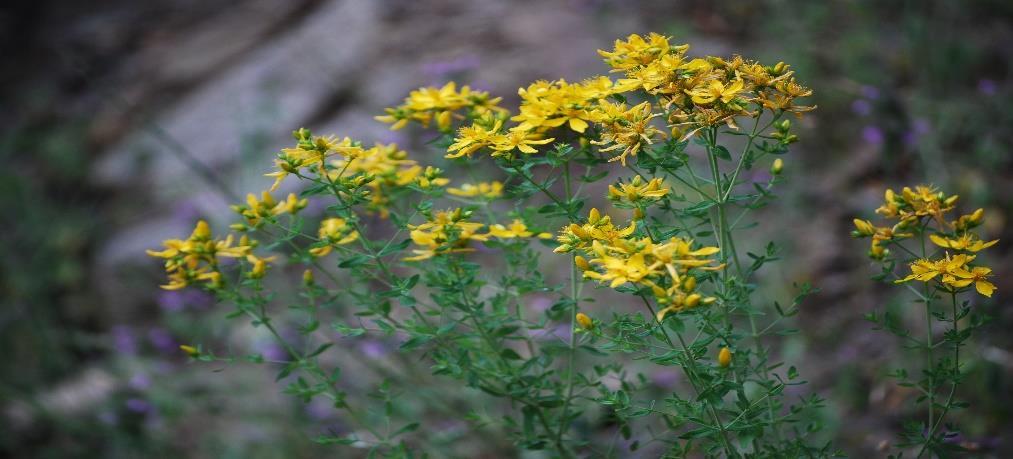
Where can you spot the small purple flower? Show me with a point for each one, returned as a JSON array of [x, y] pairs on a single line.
[[870, 92], [171, 300], [140, 381], [138, 405], [108, 418], [861, 107], [987, 87], [320, 409], [162, 340], [665, 378], [540, 304], [560, 332], [919, 127], [372, 348], [124, 339], [872, 135], [272, 351]]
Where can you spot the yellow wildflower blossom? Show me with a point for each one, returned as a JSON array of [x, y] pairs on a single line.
[[626, 129], [619, 269], [256, 210], [445, 232], [637, 193], [471, 138], [334, 232], [716, 90], [516, 229], [196, 258], [518, 139], [487, 190], [311, 151], [968, 242], [442, 104], [978, 275]]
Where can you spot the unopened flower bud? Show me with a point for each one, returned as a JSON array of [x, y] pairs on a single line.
[[581, 263], [585, 322], [189, 350], [725, 357], [777, 167]]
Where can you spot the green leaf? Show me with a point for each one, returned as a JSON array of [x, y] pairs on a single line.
[[510, 354], [411, 427], [721, 152]]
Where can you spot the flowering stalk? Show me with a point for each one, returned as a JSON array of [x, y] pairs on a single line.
[[950, 267], [464, 314]]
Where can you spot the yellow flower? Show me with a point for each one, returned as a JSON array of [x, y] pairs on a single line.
[[724, 357], [863, 228], [334, 232], [311, 151], [953, 272], [967, 241], [584, 321], [636, 192], [626, 129], [487, 190], [442, 104], [518, 139], [637, 51], [189, 350], [597, 228], [546, 105], [445, 232], [470, 139], [516, 229], [620, 269], [431, 178], [978, 275], [196, 259], [716, 90], [256, 210]]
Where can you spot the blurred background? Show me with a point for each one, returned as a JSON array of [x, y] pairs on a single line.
[[125, 121]]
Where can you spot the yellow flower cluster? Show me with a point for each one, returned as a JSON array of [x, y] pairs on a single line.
[[626, 129], [690, 94], [486, 190], [442, 104], [333, 232], [636, 193], [615, 256], [379, 167], [544, 106], [254, 211], [196, 259], [449, 231], [382, 167], [915, 209], [311, 151], [702, 92]]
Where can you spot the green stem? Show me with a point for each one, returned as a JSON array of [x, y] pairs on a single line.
[[564, 423], [953, 385], [690, 366]]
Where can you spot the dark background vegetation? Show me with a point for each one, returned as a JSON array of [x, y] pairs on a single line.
[[123, 121]]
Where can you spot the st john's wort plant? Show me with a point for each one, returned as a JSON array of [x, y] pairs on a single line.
[[451, 270], [935, 256]]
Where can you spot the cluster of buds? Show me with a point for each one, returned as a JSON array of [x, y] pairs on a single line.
[[782, 132]]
